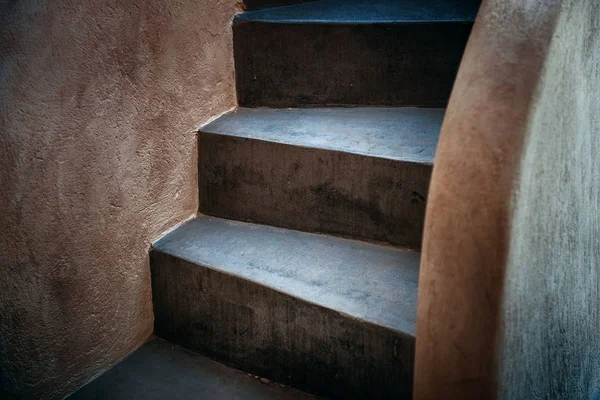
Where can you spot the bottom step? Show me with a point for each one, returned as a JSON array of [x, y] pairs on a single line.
[[329, 315], [160, 370]]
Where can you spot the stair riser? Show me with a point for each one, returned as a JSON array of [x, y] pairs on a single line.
[[274, 335], [291, 65], [313, 190]]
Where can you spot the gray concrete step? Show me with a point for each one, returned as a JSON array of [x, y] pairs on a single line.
[[358, 172], [351, 52], [329, 315], [160, 370]]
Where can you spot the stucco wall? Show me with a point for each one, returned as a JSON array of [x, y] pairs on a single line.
[[509, 292], [550, 341], [98, 105]]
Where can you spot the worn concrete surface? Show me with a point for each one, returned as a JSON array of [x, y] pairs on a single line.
[[369, 282], [162, 370], [99, 103], [351, 53], [509, 286], [361, 172], [398, 133], [330, 315]]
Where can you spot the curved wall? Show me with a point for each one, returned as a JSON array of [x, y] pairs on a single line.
[[550, 340], [509, 289]]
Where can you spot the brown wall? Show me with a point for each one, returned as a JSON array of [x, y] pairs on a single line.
[[509, 292], [98, 105]]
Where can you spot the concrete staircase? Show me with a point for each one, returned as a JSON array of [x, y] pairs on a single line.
[[303, 265]]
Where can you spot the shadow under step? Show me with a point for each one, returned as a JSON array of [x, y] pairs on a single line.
[[356, 172], [351, 52], [329, 315]]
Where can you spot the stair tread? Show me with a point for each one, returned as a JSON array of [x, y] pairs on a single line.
[[398, 133], [370, 282], [366, 12]]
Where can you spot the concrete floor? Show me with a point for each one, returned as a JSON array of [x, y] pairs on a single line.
[[161, 370]]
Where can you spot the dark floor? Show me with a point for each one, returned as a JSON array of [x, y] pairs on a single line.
[[161, 370]]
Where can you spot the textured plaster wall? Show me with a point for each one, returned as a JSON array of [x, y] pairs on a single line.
[[98, 105], [550, 342], [509, 291]]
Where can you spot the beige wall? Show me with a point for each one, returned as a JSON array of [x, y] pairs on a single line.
[[509, 295], [98, 105]]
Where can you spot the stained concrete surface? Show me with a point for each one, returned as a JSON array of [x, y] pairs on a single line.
[[366, 281], [162, 370], [396, 133], [360, 172], [327, 315]]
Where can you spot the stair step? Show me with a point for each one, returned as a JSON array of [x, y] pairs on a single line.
[[160, 370], [351, 52], [329, 315], [359, 172]]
